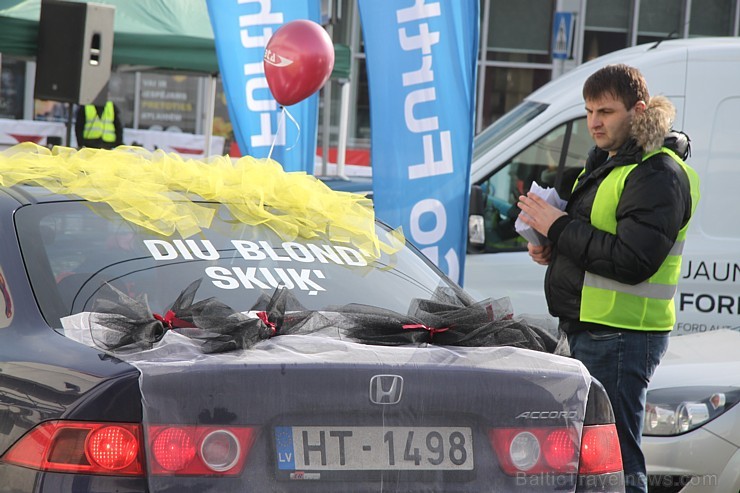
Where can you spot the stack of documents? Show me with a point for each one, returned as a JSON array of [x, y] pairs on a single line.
[[550, 195]]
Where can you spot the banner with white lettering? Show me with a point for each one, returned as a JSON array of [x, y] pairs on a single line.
[[421, 65], [241, 31]]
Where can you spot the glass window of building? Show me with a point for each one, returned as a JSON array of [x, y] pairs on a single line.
[[50, 111], [222, 126], [660, 19], [607, 27], [344, 26], [517, 57], [121, 90], [712, 18], [12, 88], [506, 87], [519, 26]]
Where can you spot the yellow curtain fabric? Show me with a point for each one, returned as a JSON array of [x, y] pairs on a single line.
[[152, 190]]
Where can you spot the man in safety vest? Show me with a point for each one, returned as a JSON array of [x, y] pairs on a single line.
[[614, 256], [98, 126]]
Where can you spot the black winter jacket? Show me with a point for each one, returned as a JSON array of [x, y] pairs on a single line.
[[655, 204]]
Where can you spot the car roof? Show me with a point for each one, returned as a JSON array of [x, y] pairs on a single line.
[[33, 194], [29, 194]]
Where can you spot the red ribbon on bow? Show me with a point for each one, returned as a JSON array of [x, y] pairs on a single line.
[[263, 316], [170, 321], [431, 330]]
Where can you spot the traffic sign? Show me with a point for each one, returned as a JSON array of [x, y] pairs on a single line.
[[562, 35]]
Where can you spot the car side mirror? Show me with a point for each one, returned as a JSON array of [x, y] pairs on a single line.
[[476, 229]]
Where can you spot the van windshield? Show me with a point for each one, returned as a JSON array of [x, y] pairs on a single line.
[[505, 126]]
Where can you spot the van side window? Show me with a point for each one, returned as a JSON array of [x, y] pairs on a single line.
[[554, 160], [575, 156]]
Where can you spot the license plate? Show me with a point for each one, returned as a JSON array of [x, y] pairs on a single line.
[[311, 448]]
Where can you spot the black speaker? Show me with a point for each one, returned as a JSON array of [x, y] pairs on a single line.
[[75, 49]]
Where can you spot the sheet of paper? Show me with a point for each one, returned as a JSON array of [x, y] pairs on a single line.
[[550, 195]]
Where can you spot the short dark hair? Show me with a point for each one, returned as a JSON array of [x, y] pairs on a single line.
[[620, 81]]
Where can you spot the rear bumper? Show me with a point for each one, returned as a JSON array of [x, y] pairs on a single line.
[[602, 483], [20, 479]]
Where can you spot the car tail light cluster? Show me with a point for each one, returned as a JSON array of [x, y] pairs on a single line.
[[116, 449], [556, 450], [82, 447], [199, 450], [600, 451]]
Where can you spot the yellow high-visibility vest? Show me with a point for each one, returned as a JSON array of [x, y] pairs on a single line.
[[99, 127], [648, 305]]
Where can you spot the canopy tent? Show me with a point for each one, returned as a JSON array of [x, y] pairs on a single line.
[[165, 34], [153, 34], [168, 34]]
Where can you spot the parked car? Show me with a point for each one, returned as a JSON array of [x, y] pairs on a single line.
[[691, 437], [261, 339]]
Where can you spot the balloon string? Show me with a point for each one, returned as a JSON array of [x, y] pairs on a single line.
[[297, 126], [277, 133], [281, 121]]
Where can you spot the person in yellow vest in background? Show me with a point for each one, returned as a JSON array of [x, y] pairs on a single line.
[[614, 257], [98, 126]]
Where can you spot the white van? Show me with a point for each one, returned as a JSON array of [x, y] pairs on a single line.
[[546, 139]]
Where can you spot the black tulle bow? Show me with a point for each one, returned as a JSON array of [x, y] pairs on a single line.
[[125, 323]]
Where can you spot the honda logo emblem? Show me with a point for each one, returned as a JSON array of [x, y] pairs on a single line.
[[386, 389]]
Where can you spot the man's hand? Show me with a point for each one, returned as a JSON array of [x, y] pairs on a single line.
[[540, 254], [538, 214]]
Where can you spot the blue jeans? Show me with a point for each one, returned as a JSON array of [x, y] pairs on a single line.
[[623, 361]]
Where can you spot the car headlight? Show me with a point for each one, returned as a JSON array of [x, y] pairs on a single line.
[[679, 410]]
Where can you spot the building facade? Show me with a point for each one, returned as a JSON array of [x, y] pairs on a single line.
[[518, 38], [524, 44]]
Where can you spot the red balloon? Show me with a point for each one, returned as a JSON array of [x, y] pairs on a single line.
[[299, 58]]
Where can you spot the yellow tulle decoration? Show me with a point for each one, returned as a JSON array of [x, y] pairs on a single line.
[[153, 190]]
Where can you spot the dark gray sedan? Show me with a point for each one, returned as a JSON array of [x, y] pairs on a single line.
[[238, 360]]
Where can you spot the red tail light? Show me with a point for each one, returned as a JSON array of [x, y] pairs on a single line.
[[112, 447], [554, 450], [173, 449], [199, 450], [116, 449], [559, 449], [600, 452], [80, 447], [535, 450]]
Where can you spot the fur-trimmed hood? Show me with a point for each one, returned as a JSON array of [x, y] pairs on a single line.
[[650, 127]]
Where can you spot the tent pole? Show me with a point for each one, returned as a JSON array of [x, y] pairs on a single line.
[[137, 99], [343, 129], [209, 110], [68, 141], [326, 127]]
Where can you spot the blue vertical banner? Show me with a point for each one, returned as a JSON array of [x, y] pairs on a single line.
[[241, 30], [421, 64]]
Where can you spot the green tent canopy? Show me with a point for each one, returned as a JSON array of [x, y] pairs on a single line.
[[166, 34], [157, 33]]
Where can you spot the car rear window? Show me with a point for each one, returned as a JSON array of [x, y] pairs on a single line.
[[72, 249]]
